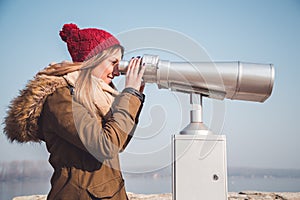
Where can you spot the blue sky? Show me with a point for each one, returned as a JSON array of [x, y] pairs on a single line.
[[258, 135]]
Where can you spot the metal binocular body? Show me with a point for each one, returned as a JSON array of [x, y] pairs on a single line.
[[218, 80]]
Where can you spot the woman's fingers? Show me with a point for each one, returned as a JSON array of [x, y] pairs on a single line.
[[134, 65], [141, 72], [129, 66], [137, 66], [134, 73]]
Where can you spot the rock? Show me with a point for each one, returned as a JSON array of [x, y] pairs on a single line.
[[255, 195], [32, 197], [133, 196], [244, 195]]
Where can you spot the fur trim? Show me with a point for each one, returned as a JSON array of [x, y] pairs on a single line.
[[21, 122]]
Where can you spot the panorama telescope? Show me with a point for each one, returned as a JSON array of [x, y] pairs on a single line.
[[199, 160], [218, 80]]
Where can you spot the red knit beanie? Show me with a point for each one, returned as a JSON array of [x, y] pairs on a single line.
[[86, 43]]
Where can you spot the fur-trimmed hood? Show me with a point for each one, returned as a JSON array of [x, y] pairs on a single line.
[[21, 121]]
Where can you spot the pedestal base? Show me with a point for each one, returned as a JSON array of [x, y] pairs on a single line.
[[199, 169]]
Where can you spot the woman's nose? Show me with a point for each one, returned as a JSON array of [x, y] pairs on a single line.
[[116, 71]]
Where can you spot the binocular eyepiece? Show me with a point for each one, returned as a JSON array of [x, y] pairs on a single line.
[[218, 80]]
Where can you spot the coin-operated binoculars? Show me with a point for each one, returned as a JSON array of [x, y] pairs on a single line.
[[199, 166]]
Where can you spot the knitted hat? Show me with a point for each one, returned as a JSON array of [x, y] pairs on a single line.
[[86, 43]]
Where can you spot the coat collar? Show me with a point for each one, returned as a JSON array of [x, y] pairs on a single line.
[[21, 121]]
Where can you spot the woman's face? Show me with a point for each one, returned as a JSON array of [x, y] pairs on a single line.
[[108, 69]]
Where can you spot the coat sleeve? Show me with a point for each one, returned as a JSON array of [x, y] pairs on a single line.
[[102, 140]]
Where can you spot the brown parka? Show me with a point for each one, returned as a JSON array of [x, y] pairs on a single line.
[[83, 150]]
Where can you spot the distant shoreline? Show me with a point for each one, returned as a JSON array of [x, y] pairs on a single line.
[[39, 170], [21, 178]]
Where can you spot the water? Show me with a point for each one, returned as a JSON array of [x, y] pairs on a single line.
[[11, 189], [269, 184], [151, 185]]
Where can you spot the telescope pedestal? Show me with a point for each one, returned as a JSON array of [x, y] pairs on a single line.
[[199, 166]]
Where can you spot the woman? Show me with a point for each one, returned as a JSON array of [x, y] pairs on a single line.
[[74, 108]]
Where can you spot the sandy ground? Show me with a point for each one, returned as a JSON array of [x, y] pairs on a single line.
[[246, 195]]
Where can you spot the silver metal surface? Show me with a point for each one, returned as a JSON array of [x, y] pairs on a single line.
[[199, 156], [199, 164], [196, 125], [199, 167], [196, 112], [218, 80]]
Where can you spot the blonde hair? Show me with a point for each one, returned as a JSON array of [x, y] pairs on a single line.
[[83, 86]]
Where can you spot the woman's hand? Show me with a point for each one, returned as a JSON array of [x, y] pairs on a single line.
[[134, 74]]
